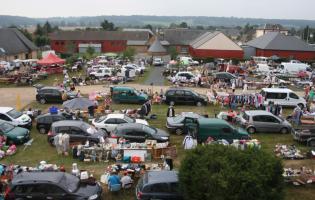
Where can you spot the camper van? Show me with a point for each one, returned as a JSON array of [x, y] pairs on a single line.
[[260, 60], [294, 67], [188, 61], [282, 96]]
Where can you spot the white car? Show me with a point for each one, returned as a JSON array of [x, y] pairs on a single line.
[[185, 76], [101, 73], [15, 117], [134, 67], [110, 121], [6, 65], [158, 62]]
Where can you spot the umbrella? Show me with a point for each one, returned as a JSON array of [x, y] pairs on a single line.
[[224, 75], [78, 103]]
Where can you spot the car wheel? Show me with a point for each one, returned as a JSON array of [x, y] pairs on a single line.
[[284, 131], [42, 101], [301, 105], [172, 103], [178, 131], [251, 130], [199, 104], [311, 143], [42, 131]]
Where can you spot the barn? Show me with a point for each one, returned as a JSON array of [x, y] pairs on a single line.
[[101, 41], [215, 45], [283, 46]]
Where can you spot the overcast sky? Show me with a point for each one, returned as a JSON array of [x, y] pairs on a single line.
[[281, 9]]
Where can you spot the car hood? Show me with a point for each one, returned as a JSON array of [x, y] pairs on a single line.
[[141, 121], [17, 131], [170, 121], [24, 118], [145, 96], [86, 190], [161, 133]]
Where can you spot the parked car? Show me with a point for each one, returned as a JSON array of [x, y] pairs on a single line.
[[305, 136], [157, 62], [78, 131], [14, 134], [263, 121], [135, 132], [15, 117], [158, 185], [203, 128], [52, 95], [122, 94], [51, 185], [184, 96], [185, 76], [101, 73], [283, 97], [44, 122], [176, 124], [111, 121]]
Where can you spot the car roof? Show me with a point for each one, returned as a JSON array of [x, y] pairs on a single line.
[[161, 177], [5, 109], [212, 121], [50, 114], [130, 126], [185, 89], [68, 123], [257, 112], [121, 116], [122, 88], [190, 114], [276, 90], [37, 177]]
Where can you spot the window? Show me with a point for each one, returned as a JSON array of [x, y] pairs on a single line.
[[257, 118], [4, 117], [293, 96], [63, 129], [179, 92], [171, 93], [56, 43], [188, 93], [57, 118], [52, 189], [48, 120], [120, 121], [76, 131], [270, 119], [14, 114], [226, 131], [110, 121], [139, 133], [184, 49], [245, 116], [62, 43], [271, 95], [159, 187]]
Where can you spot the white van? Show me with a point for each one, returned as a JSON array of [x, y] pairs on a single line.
[[282, 96], [15, 117], [260, 59], [188, 60], [293, 68]]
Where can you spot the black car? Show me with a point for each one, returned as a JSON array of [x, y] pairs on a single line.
[[184, 96], [134, 132], [78, 131], [51, 185], [52, 95], [158, 185], [43, 122]]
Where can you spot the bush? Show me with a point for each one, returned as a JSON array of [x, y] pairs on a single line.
[[224, 173]]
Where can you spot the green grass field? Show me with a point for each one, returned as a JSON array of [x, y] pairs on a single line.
[[41, 150]]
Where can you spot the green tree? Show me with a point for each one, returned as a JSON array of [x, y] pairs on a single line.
[[225, 173], [173, 53], [90, 51], [108, 26], [129, 53], [41, 40], [47, 28], [39, 30], [148, 26], [183, 25]]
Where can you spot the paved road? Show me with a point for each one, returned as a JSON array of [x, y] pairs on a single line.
[[156, 77]]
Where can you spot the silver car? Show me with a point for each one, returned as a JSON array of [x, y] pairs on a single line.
[[263, 121]]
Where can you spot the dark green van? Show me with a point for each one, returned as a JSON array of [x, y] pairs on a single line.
[[122, 94], [218, 129]]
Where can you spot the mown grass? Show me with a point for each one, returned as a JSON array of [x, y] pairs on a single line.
[[41, 150]]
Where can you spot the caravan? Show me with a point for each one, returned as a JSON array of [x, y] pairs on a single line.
[[294, 67]]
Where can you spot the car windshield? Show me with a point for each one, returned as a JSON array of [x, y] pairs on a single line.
[[70, 182], [129, 120], [178, 119], [100, 119], [149, 130], [14, 114], [245, 116], [6, 127], [137, 92]]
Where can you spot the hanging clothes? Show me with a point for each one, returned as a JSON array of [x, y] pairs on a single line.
[[188, 142]]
